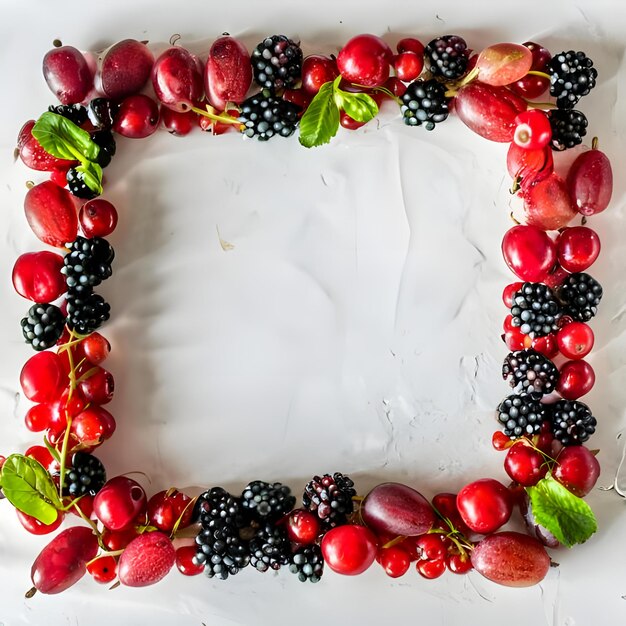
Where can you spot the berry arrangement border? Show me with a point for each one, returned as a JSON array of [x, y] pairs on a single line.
[[127, 538]]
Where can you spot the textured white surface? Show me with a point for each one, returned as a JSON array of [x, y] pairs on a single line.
[[354, 325]]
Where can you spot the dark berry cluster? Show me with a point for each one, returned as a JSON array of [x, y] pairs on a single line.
[[265, 116], [424, 102], [447, 56], [277, 63]]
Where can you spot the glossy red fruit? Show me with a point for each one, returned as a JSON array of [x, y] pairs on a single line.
[[35, 527], [555, 279], [511, 559], [408, 66], [395, 86], [577, 469], [531, 86], [119, 502], [508, 293], [317, 69], [63, 561], [365, 60], [395, 561], [37, 276], [99, 387], [118, 539], [41, 377], [397, 509], [500, 442], [98, 218], [96, 348], [177, 78], [431, 569], [165, 508], [84, 504], [92, 426], [577, 248], [503, 63], [228, 72], [37, 418], [42, 455], [68, 74], [303, 527], [349, 549], [532, 130], [445, 504], [137, 118], [484, 505], [514, 339], [459, 563], [529, 252], [546, 345], [528, 166], [575, 340], [525, 465], [576, 378], [547, 203], [34, 156], [431, 547], [489, 111], [146, 560], [590, 182], [125, 69], [51, 213], [185, 561], [103, 569], [410, 44], [177, 123]]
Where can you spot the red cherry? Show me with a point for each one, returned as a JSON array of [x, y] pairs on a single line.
[[303, 527], [85, 504], [42, 455], [96, 348], [577, 469], [395, 561], [177, 123], [37, 276], [525, 465], [555, 278], [97, 218], [577, 248], [118, 539], [546, 345], [37, 417], [500, 441], [42, 377], [509, 292], [431, 569], [531, 86], [138, 117], [575, 340], [532, 130], [35, 527], [459, 563], [515, 339], [92, 426], [103, 569], [445, 504], [408, 66], [185, 561], [365, 60], [576, 378], [317, 70], [119, 502], [98, 388], [529, 252], [349, 549], [484, 505], [165, 508], [410, 44], [431, 547]]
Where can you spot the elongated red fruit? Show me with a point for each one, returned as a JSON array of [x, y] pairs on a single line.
[[177, 79], [67, 73], [547, 203], [590, 182], [34, 156], [126, 68], [146, 560], [228, 72], [51, 213], [37, 276]]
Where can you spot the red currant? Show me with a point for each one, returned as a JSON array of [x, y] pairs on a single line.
[[303, 527], [575, 340], [459, 563], [38, 417], [103, 569], [96, 348], [576, 378], [431, 547], [431, 569], [395, 561]]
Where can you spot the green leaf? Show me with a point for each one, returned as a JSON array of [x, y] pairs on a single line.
[[320, 122], [568, 517], [92, 175], [359, 106], [62, 139], [29, 488]]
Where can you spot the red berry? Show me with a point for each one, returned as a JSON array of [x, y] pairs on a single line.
[[34, 156], [576, 378], [35, 527], [408, 66], [42, 455], [98, 388], [546, 345], [165, 508], [42, 377], [515, 339], [92, 426], [500, 441], [303, 527], [118, 539], [531, 86], [525, 465], [509, 292], [577, 248], [484, 505], [185, 561], [96, 348], [365, 60], [98, 218], [317, 70], [431, 569], [459, 563], [431, 547], [37, 276], [575, 340], [410, 44], [177, 123], [395, 561], [37, 417], [577, 469], [349, 549], [119, 502], [103, 569], [532, 130], [137, 118], [529, 252], [146, 560]]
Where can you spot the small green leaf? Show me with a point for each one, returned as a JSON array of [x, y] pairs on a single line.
[[359, 106], [320, 122], [92, 175], [62, 139], [568, 517], [29, 488]]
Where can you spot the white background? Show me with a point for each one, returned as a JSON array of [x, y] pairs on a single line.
[[354, 326]]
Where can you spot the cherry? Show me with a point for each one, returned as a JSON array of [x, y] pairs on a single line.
[[349, 549], [395, 561], [546, 345], [431, 569], [85, 504], [119, 502], [531, 86], [37, 276], [577, 248], [98, 388], [137, 118], [119, 539], [576, 378], [532, 130], [408, 66], [500, 441], [515, 339], [176, 122], [96, 348], [38, 417], [410, 44], [365, 60], [577, 469], [575, 340], [92, 426], [303, 527], [484, 505], [459, 563], [445, 503], [97, 218], [508, 294], [103, 569], [525, 465], [529, 252], [185, 561], [165, 508], [317, 70], [431, 547], [35, 527], [395, 86], [42, 377], [42, 455]]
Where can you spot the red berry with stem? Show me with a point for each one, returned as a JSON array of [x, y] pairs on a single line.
[[119, 502], [98, 387], [37, 276], [445, 504], [577, 469], [35, 527], [92, 426], [431, 569], [395, 561], [166, 508], [576, 378], [431, 547], [395, 86], [365, 60], [98, 218], [68, 74], [137, 118], [485, 505], [532, 130], [177, 123], [84, 504], [118, 539], [575, 340], [96, 348], [459, 563], [303, 527], [525, 465], [349, 549], [529, 252], [103, 569], [577, 248], [317, 69], [408, 66], [42, 377], [185, 561]]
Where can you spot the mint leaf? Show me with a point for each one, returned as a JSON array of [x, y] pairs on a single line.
[[62, 139], [320, 121], [359, 106], [29, 488], [568, 517], [92, 175]]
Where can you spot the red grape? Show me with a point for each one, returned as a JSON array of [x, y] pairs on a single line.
[[547, 203], [590, 182], [228, 72], [67, 73], [177, 79], [34, 156], [125, 69], [503, 63], [146, 560]]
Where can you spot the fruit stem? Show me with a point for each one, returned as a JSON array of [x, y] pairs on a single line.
[[544, 106], [31, 592], [594, 143], [224, 118], [394, 542], [455, 87], [538, 73]]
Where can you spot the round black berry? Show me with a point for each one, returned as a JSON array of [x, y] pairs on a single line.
[[86, 475], [522, 415], [43, 326], [530, 372], [265, 116], [77, 185], [424, 102], [535, 310], [74, 112], [572, 76], [277, 63], [330, 498], [581, 295], [447, 56], [572, 422], [87, 263], [307, 563], [568, 128], [86, 311], [267, 501]]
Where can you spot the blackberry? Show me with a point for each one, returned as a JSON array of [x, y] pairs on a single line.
[[77, 185], [568, 128], [572, 76], [217, 503], [447, 56], [277, 63], [572, 422], [522, 415], [104, 139], [270, 548], [87, 263], [307, 563], [530, 372], [73, 112], [86, 476], [535, 310], [264, 116], [43, 326], [102, 112], [330, 498], [581, 295], [220, 549], [424, 102], [267, 501], [86, 311]]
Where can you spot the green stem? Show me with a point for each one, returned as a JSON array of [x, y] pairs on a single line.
[[538, 73], [225, 119]]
